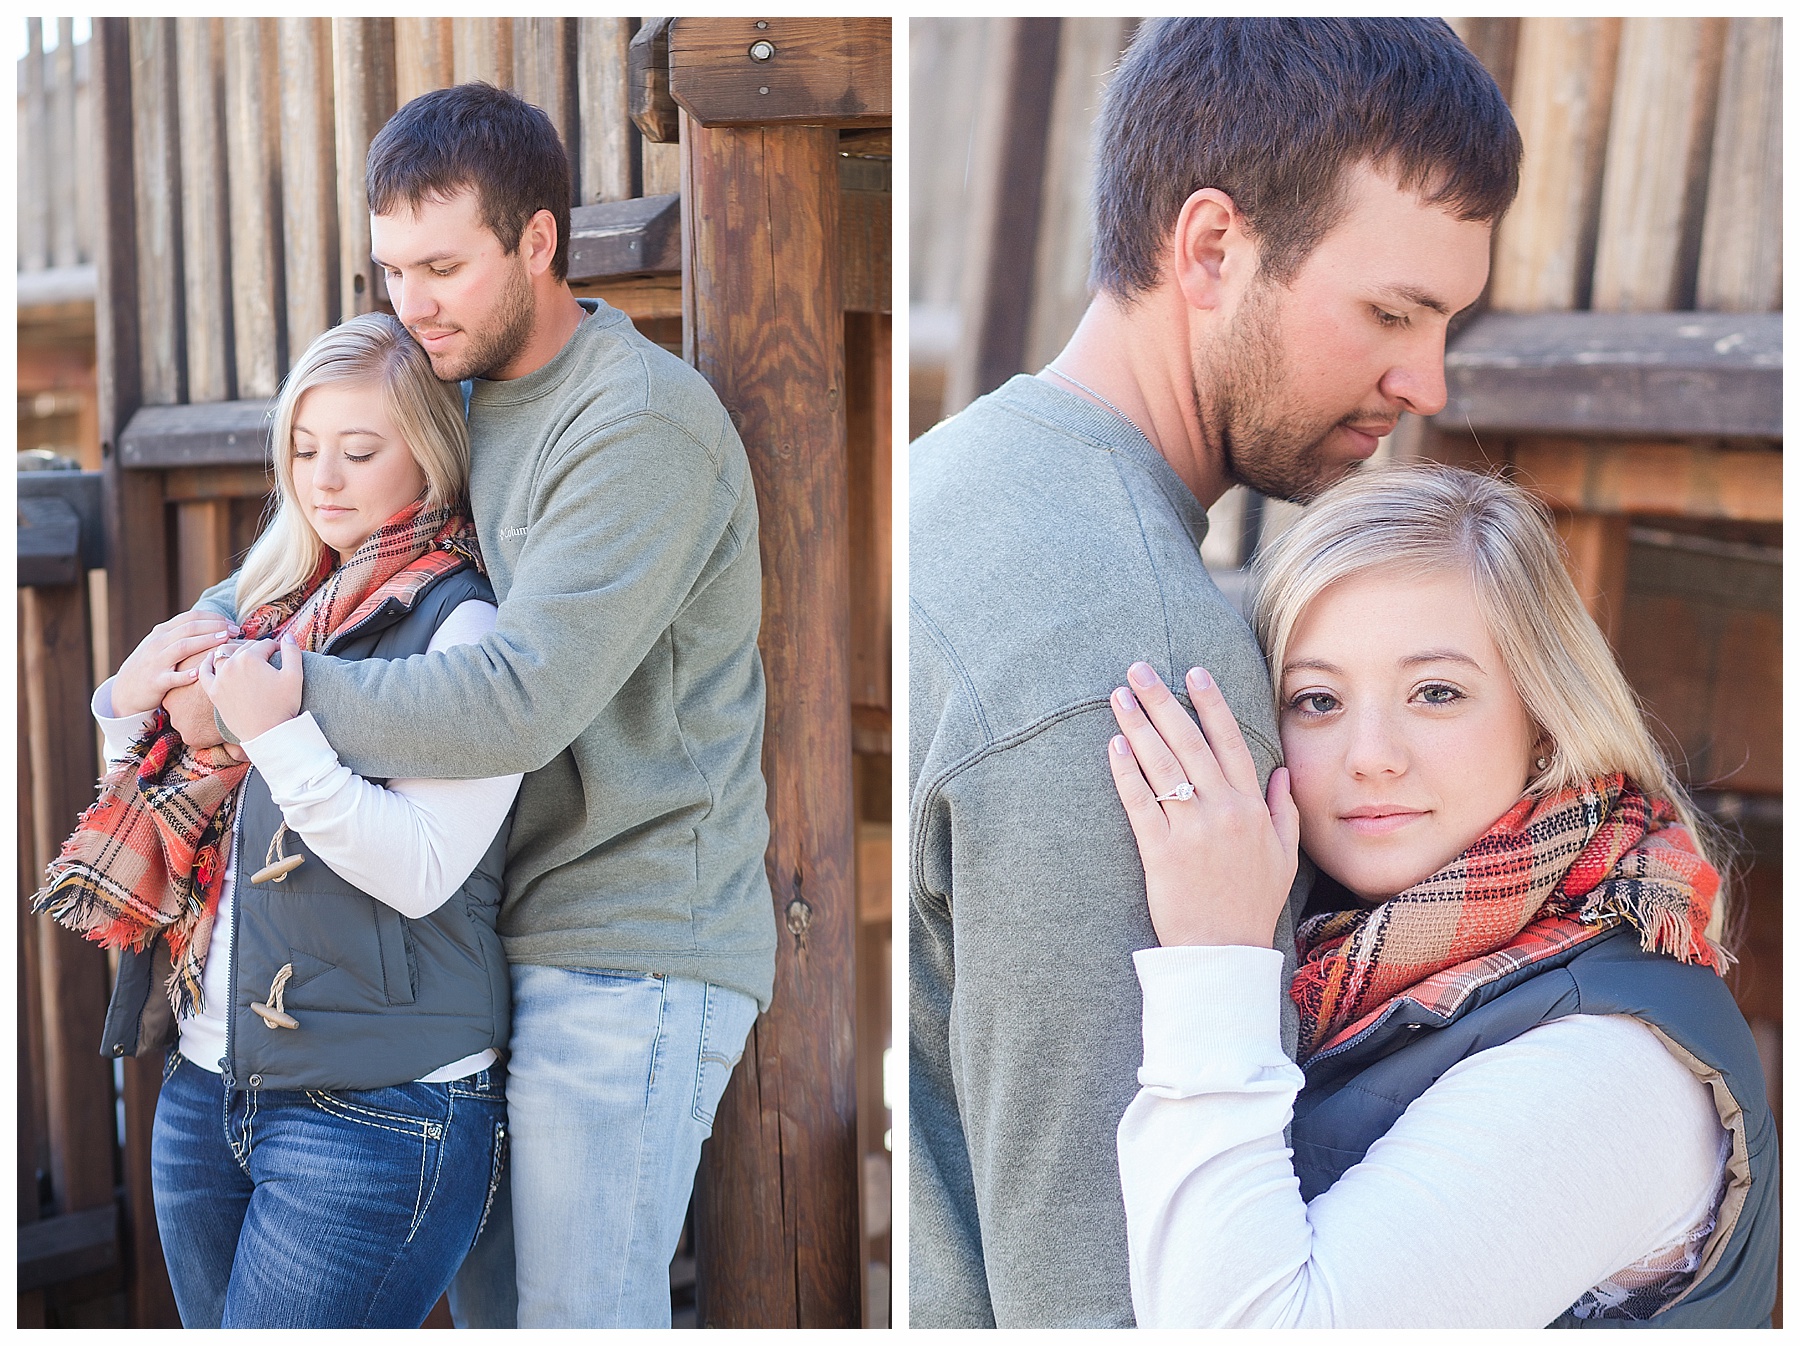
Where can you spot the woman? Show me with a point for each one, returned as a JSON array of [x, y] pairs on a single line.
[[1528, 1097], [332, 1123]]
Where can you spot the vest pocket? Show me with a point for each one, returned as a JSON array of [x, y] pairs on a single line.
[[396, 962]]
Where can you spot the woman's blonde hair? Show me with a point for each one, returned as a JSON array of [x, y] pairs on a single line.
[[372, 348], [1425, 518]]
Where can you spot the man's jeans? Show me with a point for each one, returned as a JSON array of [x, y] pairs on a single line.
[[316, 1207], [612, 1083]]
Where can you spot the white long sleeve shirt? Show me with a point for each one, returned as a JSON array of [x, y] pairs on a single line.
[[1528, 1174], [409, 844]]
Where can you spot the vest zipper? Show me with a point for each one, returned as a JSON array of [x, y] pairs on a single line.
[[237, 898]]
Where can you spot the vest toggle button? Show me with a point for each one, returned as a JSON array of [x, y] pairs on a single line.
[[271, 1011]]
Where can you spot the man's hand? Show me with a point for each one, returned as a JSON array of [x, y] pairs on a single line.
[[190, 712], [249, 692], [165, 660]]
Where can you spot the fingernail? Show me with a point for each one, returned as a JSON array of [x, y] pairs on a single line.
[[1199, 677], [1125, 699], [1120, 746], [1142, 675], [222, 635]]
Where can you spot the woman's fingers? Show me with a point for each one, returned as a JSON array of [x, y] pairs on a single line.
[[1230, 752], [1283, 812], [1162, 769], [1182, 737], [1148, 822]]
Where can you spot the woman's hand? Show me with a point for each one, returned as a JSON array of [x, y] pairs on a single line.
[[152, 670], [251, 695], [1217, 865]]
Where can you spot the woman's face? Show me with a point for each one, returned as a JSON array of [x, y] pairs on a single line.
[[352, 470], [1403, 733]]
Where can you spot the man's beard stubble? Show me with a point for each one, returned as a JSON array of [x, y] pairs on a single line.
[[506, 331], [1272, 453]]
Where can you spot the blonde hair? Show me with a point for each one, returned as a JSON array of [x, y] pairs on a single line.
[[1425, 518], [372, 348]]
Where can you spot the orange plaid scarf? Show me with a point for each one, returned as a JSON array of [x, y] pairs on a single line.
[[1550, 874], [147, 857]]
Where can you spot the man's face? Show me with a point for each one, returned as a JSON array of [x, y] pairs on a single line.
[[1310, 375], [467, 301]]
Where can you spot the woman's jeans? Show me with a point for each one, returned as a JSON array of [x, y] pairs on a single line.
[[320, 1207]]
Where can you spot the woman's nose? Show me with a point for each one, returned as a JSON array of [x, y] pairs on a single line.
[[1375, 746]]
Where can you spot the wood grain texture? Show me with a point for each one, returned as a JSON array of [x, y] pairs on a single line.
[[424, 57], [1596, 547], [364, 81], [1740, 239], [202, 547], [866, 230], [65, 148], [623, 238], [652, 108], [836, 71], [1631, 477], [776, 1204], [482, 49], [218, 433], [205, 222], [607, 135], [309, 216], [156, 150], [1562, 102], [545, 69], [643, 299], [36, 167], [1657, 154], [253, 170], [869, 407], [1495, 43]]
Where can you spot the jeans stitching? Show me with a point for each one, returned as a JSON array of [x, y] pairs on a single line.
[[706, 1027], [351, 1112], [426, 1169], [498, 1167]]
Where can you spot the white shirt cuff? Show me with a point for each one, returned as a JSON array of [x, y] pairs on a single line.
[[1211, 1014]]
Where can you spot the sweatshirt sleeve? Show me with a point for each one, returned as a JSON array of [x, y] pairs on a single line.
[[624, 523], [410, 844], [1527, 1174]]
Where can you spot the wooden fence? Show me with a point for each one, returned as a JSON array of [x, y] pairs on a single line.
[[227, 173]]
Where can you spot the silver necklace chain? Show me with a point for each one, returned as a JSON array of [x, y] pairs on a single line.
[[1052, 369]]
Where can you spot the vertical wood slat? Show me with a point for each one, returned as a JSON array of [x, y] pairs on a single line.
[[776, 1205], [1598, 547], [161, 297], [253, 171], [152, 1299], [424, 57], [1562, 100], [202, 547], [34, 1126], [65, 229], [38, 168], [1656, 163], [1007, 174], [205, 222], [868, 346], [607, 135], [544, 70], [1495, 43], [482, 49], [1740, 241], [308, 180], [364, 85], [53, 628], [1059, 291]]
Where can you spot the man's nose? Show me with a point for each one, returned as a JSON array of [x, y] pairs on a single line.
[[411, 300], [1417, 382]]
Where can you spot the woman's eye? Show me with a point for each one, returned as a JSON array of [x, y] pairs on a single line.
[[1315, 703], [305, 453], [358, 457], [1439, 695]]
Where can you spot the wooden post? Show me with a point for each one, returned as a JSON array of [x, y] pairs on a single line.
[[161, 295], [253, 169], [308, 180], [606, 130], [205, 226], [424, 57], [363, 59], [1740, 243], [776, 1205], [544, 70]]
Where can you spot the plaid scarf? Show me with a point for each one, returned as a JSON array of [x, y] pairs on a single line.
[[1550, 874], [147, 857]]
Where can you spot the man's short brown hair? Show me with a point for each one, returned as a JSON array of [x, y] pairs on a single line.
[[1272, 112], [474, 136]]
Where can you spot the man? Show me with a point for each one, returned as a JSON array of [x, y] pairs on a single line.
[[1288, 214], [616, 514]]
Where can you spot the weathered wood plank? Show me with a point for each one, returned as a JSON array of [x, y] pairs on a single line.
[[253, 171], [83, 493], [1562, 101], [215, 482], [866, 229], [836, 71], [1596, 547], [544, 68], [49, 542], [606, 130], [219, 433], [1656, 163], [1007, 175], [652, 108], [37, 167], [363, 63], [869, 411], [202, 547], [1630, 477], [776, 1206], [66, 1247], [424, 57], [643, 299], [482, 49], [623, 238], [152, 1299], [1495, 43], [157, 156], [64, 146], [1740, 242], [205, 222], [1661, 373], [309, 215]]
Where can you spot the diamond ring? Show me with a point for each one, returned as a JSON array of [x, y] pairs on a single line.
[[1181, 791]]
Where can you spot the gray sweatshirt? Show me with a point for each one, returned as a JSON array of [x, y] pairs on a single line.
[[1051, 545], [618, 522]]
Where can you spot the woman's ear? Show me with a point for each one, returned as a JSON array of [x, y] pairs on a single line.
[[1210, 252]]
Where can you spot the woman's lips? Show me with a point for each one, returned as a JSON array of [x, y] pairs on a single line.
[[1380, 820]]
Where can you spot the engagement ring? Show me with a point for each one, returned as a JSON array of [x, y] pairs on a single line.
[[1181, 791]]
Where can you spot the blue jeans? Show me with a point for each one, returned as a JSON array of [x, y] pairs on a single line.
[[612, 1083], [317, 1207]]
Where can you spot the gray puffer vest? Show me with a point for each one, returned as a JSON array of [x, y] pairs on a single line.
[[379, 999], [1355, 1092]]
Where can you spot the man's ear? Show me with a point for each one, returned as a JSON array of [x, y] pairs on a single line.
[[1210, 252], [537, 243]]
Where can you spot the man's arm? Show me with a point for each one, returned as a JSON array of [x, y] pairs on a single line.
[[624, 531]]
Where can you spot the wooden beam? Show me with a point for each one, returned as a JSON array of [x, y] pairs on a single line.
[[640, 298], [653, 111], [202, 547], [776, 1203], [1685, 480], [1740, 242], [744, 72], [866, 229], [624, 238], [1658, 373], [483, 50], [192, 436], [67, 1247]]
